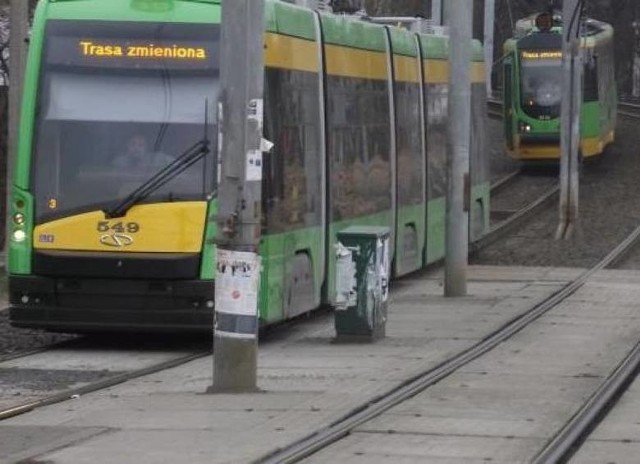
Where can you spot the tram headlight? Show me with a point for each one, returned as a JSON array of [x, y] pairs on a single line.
[[19, 235], [524, 127], [19, 219]]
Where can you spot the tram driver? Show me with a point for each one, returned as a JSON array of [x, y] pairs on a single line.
[[139, 159]]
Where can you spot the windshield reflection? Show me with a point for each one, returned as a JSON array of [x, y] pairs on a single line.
[[104, 128], [541, 87]]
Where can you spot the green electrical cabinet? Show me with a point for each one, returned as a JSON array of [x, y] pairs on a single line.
[[362, 283]]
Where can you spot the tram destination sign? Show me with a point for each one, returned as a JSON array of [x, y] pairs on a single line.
[[136, 54], [541, 55]]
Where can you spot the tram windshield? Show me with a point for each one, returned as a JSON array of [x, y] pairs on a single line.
[[115, 109], [541, 87]]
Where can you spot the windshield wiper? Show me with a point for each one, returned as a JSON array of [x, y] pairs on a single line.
[[183, 162]]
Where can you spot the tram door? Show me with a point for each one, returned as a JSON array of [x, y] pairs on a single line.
[[508, 102]]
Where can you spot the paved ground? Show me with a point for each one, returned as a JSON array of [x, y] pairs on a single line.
[[500, 408], [617, 438]]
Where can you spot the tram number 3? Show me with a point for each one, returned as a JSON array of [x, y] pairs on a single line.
[[119, 227]]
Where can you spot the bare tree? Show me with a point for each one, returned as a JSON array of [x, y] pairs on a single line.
[[398, 8], [4, 44]]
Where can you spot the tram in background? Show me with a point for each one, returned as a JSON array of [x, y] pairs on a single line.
[[357, 112], [533, 88]]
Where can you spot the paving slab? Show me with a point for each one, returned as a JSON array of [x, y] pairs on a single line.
[[604, 452], [21, 443], [617, 438], [527, 388], [309, 382], [399, 448]]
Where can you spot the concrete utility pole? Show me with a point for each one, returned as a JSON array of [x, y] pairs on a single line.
[[239, 193], [572, 67], [460, 13], [19, 32], [436, 12], [489, 24]]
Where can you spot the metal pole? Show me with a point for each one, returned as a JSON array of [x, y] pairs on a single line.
[[489, 24], [239, 196], [19, 30], [436, 12], [460, 14], [570, 124]]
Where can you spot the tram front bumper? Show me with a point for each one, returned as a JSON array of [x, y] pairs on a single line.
[[87, 305]]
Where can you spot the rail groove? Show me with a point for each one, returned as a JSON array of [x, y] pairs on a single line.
[[558, 446], [100, 385]]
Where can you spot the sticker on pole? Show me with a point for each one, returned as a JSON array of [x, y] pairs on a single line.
[[254, 165], [255, 111], [237, 282]]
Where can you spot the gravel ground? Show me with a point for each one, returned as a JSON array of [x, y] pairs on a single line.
[[609, 192], [499, 163], [14, 340], [521, 191]]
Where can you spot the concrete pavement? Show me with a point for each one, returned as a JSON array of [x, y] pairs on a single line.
[[501, 407]]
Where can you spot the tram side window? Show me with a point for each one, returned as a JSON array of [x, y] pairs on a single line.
[[292, 171], [437, 111], [590, 90], [359, 146], [409, 143]]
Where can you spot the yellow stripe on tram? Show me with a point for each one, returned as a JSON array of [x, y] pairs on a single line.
[[291, 53], [359, 64], [406, 69], [437, 72]]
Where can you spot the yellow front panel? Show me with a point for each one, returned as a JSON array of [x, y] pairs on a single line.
[[592, 146], [437, 72], [291, 53], [154, 228], [589, 146], [406, 69], [350, 62]]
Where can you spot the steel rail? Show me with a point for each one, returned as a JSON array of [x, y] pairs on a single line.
[[494, 109], [505, 226], [342, 427], [629, 110], [564, 442], [504, 181], [42, 349], [101, 385]]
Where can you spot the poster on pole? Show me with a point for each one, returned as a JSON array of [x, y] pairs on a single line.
[[254, 165], [237, 282]]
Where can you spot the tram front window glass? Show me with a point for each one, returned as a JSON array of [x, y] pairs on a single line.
[[541, 87], [105, 127]]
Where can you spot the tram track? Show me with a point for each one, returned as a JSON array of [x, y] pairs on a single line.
[[564, 443], [504, 220], [629, 110], [559, 445], [69, 370], [494, 109], [12, 405], [378, 405], [33, 351]]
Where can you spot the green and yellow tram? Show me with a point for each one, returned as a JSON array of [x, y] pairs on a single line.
[[119, 93], [533, 88]]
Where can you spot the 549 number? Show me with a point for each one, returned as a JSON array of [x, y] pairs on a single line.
[[119, 227]]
